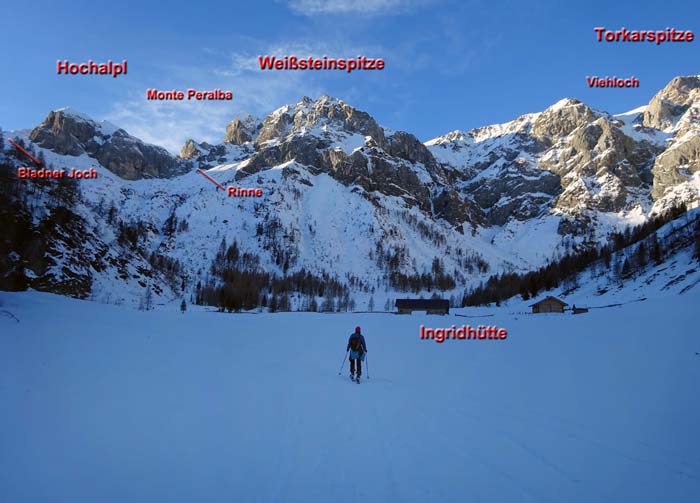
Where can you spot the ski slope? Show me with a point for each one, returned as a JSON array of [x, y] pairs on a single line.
[[102, 403]]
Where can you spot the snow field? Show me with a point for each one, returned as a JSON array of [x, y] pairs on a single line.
[[102, 403]]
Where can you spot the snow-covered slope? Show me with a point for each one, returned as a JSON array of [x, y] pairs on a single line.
[[108, 404], [675, 270]]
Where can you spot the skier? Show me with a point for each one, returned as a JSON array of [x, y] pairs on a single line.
[[357, 347]]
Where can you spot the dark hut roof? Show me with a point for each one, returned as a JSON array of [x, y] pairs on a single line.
[[419, 304], [550, 298]]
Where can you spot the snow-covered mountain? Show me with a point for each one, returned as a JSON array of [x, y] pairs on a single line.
[[573, 160], [344, 199]]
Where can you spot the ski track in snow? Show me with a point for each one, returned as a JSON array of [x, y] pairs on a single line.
[[110, 404]]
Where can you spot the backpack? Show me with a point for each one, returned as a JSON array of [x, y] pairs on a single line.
[[355, 343]]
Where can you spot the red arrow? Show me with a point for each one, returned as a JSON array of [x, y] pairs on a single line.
[[30, 155], [211, 179]]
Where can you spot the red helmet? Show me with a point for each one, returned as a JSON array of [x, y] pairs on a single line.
[[357, 330]]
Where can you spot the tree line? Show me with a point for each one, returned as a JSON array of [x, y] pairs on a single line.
[[528, 285]]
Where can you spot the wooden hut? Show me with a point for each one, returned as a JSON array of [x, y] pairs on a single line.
[[549, 305], [431, 306]]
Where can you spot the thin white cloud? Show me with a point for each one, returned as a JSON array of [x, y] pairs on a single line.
[[320, 7], [259, 92], [171, 123]]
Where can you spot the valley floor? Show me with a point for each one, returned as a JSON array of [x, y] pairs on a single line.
[[105, 404]]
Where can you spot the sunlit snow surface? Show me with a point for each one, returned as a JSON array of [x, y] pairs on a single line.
[[107, 404]]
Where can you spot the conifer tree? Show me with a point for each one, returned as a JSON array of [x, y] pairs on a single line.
[[148, 299], [641, 255], [655, 250], [626, 269]]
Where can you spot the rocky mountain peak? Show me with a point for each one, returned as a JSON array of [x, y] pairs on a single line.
[[190, 150], [672, 102], [242, 129], [562, 118], [65, 131], [453, 136], [68, 132], [326, 114]]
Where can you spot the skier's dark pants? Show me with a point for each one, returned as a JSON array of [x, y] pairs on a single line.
[[359, 366]]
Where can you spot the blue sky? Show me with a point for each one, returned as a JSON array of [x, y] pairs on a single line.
[[449, 64]]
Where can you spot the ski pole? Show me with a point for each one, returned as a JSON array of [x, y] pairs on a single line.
[[367, 364], [341, 367]]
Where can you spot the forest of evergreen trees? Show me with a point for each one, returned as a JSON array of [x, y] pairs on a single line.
[[397, 258], [236, 282], [649, 250], [25, 238], [436, 280]]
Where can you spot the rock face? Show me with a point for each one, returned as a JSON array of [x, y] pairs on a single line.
[[450, 206], [329, 136], [406, 146], [599, 167], [69, 133], [674, 166], [561, 119], [676, 110], [190, 150], [672, 102], [242, 130]]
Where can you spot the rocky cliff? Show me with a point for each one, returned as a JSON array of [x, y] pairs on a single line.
[[70, 133]]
